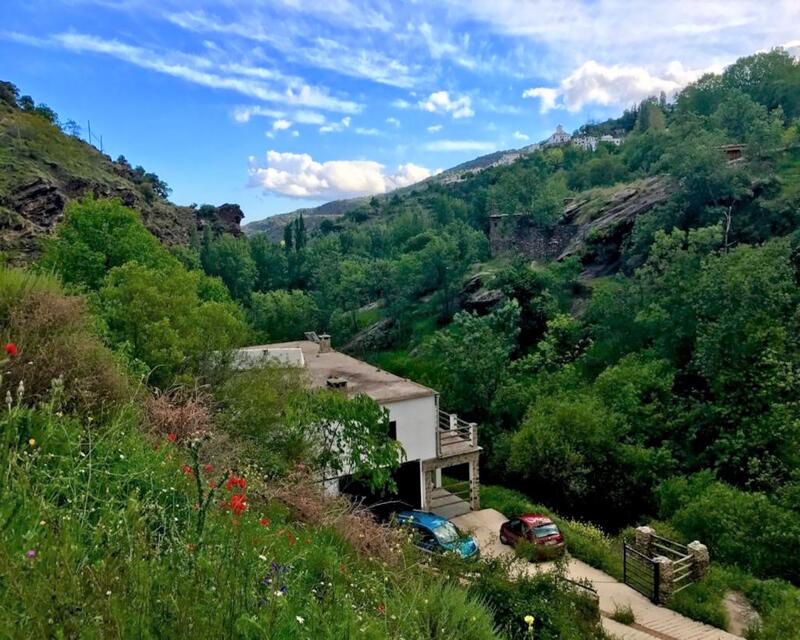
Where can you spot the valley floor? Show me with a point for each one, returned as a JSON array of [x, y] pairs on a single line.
[[652, 622]]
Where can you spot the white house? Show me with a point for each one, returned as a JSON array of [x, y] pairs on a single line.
[[611, 139], [432, 439], [558, 138], [587, 143]]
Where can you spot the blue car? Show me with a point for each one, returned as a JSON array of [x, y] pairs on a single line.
[[438, 534]]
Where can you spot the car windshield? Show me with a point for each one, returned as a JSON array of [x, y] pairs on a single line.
[[545, 530], [446, 533]]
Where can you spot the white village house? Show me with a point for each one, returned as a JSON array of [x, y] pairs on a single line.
[[432, 439]]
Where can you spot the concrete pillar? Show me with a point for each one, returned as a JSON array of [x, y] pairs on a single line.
[[438, 478], [644, 540], [700, 559], [666, 576], [474, 485], [428, 491]]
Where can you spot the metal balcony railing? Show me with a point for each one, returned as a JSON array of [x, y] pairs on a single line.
[[455, 436]]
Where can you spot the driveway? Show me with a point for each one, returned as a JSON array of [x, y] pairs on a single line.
[[652, 621]]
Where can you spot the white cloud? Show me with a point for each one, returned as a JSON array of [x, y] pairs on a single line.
[[441, 102], [295, 133], [310, 48], [594, 83], [401, 104], [204, 72], [336, 126], [434, 128], [518, 135], [298, 175], [547, 95], [367, 131], [635, 32], [393, 121], [244, 114], [460, 145], [308, 117], [280, 125]]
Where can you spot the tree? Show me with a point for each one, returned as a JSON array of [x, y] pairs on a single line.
[[43, 111], [270, 263], [98, 235], [229, 258], [26, 103], [470, 357], [284, 315], [299, 233], [9, 93], [158, 316], [288, 238], [72, 128], [771, 79], [349, 436]]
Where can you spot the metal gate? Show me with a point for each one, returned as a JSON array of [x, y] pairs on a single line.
[[640, 572]]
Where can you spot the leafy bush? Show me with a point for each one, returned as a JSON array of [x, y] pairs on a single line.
[[739, 527], [623, 614], [557, 610], [56, 340]]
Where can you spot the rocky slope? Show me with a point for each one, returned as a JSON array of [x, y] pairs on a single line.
[[42, 169]]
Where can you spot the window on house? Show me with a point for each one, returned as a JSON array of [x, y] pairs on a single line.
[[393, 429]]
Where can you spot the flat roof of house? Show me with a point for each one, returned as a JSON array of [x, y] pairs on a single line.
[[362, 377]]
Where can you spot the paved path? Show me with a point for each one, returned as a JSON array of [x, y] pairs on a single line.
[[652, 622]]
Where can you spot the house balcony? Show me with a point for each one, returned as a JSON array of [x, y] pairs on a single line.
[[455, 437], [448, 491]]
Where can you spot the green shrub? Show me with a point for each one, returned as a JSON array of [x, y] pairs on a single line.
[[558, 611], [623, 613]]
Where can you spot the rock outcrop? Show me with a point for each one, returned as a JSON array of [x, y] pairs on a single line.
[[478, 298], [376, 337], [592, 227], [609, 216], [42, 170]]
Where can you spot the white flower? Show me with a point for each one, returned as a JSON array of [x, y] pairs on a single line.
[[108, 593], [300, 619], [264, 558]]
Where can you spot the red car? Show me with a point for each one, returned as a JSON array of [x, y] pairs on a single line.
[[535, 528]]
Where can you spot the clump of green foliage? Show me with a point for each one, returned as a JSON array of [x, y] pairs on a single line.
[[623, 614], [158, 313]]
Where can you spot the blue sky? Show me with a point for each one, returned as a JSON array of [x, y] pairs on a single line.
[[282, 104]]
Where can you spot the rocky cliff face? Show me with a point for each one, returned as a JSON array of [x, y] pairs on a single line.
[[592, 227], [42, 169]]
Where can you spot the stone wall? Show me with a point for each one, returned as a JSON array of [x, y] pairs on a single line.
[[518, 234]]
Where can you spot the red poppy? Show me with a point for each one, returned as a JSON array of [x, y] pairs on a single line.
[[291, 538], [11, 349], [172, 437], [381, 608], [209, 468], [264, 522], [187, 470], [233, 481], [238, 503]]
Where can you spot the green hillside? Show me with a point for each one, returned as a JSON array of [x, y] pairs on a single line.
[[42, 168]]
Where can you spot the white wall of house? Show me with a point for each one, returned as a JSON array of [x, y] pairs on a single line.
[[417, 420]]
